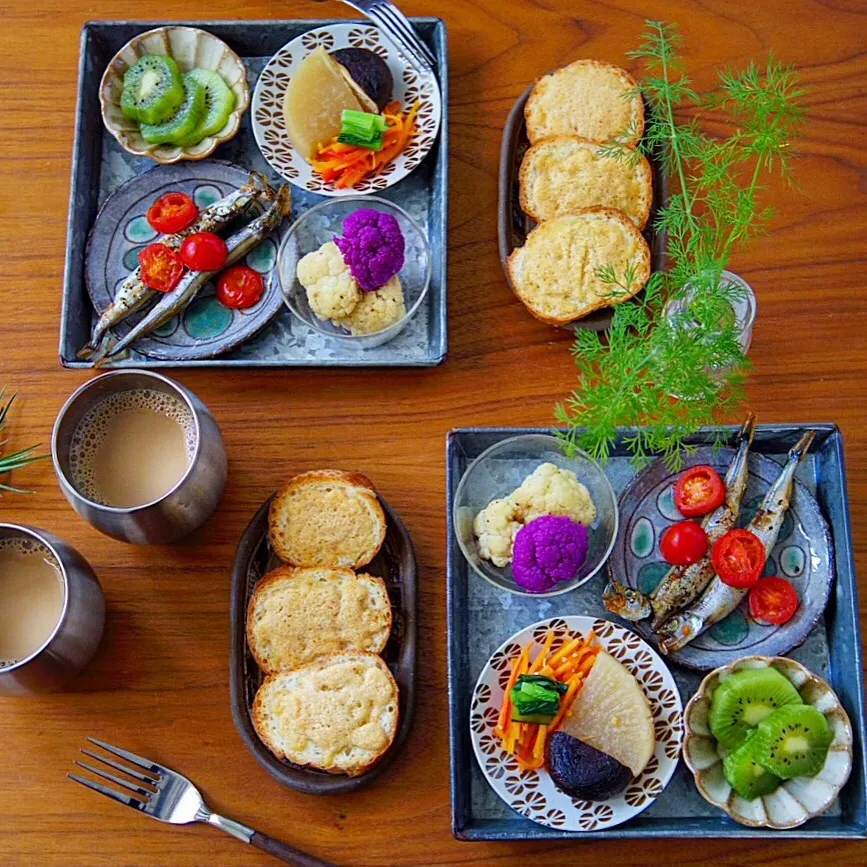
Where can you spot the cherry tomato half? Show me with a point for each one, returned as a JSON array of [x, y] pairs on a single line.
[[683, 543], [172, 212], [738, 558], [204, 251], [699, 490], [161, 267], [773, 601], [240, 287]]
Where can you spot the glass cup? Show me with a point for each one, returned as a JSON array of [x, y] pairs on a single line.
[[182, 509], [75, 638]]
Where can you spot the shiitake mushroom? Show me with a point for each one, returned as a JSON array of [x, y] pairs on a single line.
[[369, 73]]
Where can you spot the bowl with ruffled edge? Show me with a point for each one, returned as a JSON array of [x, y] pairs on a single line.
[[321, 224], [795, 801], [190, 48], [499, 470]]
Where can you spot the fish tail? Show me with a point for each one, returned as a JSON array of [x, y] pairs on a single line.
[[678, 631], [284, 199], [258, 181], [747, 430], [802, 446]]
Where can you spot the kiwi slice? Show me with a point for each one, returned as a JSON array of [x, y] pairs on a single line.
[[793, 741], [744, 699], [219, 102], [184, 120], [152, 89], [744, 773]]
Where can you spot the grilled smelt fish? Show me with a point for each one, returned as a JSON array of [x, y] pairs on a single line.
[[133, 295], [239, 244], [682, 584], [719, 599]]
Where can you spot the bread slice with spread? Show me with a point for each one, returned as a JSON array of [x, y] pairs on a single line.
[[339, 714], [327, 518], [556, 273], [299, 614]]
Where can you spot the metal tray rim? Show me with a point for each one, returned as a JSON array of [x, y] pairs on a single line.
[[460, 757]]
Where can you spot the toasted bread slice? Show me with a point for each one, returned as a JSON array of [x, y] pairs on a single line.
[[338, 714], [598, 101], [297, 615], [565, 174], [327, 518], [555, 273]]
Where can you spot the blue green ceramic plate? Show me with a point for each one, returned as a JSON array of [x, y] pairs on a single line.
[[206, 328], [803, 554]]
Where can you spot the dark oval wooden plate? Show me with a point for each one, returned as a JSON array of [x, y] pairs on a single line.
[[396, 565], [514, 225]]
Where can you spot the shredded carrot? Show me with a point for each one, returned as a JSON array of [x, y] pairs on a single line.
[[549, 639], [517, 668]]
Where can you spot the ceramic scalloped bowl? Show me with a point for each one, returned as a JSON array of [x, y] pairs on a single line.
[[796, 800], [190, 47]]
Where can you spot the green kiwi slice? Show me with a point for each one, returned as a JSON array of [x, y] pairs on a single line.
[[184, 120], [744, 699], [152, 89], [793, 741], [744, 773], [219, 102]]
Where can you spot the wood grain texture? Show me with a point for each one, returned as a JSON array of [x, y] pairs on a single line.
[[159, 684]]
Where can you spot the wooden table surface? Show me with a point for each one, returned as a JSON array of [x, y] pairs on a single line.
[[159, 684]]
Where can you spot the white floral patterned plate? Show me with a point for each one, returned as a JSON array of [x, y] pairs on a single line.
[[410, 84], [533, 793]]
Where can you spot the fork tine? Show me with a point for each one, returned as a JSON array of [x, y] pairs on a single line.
[[109, 793], [375, 15], [119, 767], [125, 784], [403, 25], [130, 757]]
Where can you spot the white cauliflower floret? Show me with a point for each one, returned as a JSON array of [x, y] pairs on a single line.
[[550, 490], [376, 310], [332, 291], [495, 528]]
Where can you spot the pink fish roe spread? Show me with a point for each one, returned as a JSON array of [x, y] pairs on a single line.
[[373, 247], [550, 549]]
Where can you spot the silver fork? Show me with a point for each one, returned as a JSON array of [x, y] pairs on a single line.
[[170, 797], [397, 27]]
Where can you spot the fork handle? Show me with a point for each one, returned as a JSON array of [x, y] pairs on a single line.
[[285, 852]]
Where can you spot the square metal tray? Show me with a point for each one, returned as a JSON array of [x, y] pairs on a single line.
[[100, 166], [481, 617]]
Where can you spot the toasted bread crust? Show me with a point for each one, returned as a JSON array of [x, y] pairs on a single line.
[[642, 267], [636, 206], [259, 714], [351, 553], [288, 573], [546, 100]]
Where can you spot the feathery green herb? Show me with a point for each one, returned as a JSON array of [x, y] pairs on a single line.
[[18, 459], [671, 361]]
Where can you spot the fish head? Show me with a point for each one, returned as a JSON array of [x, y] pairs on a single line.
[[625, 602]]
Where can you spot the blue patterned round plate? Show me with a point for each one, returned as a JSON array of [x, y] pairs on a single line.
[[803, 554], [206, 328]]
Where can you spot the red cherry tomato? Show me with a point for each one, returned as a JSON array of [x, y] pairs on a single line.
[[738, 558], [773, 601], [683, 543], [161, 267], [699, 490], [172, 212], [240, 287], [204, 251]]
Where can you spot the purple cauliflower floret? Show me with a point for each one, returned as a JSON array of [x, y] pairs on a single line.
[[548, 550], [373, 247]]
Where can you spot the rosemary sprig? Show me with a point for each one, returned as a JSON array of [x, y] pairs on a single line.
[[671, 361], [18, 459]]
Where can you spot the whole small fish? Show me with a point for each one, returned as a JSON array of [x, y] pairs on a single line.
[[681, 584], [238, 245], [719, 599], [133, 295]]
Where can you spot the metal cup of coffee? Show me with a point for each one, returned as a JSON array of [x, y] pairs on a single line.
[[139, 457], [49, 633]]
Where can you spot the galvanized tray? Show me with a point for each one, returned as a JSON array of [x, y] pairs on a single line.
[[100, 165], [481, 617]]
